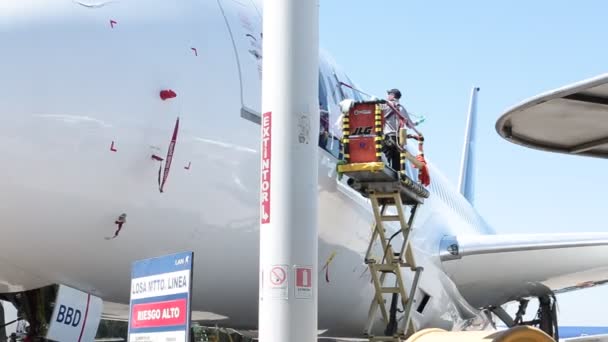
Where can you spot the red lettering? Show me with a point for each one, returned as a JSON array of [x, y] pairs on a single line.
[[159, 314], [266, 154]]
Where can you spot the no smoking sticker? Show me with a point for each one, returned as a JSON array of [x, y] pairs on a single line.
[[278, 286]]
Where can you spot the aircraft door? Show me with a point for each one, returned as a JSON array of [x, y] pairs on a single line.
[[245, 26]]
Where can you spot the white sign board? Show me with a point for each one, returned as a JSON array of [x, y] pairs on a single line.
[[160, 299], [75, 317]]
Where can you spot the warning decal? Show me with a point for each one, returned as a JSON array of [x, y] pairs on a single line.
[[277, 276], [156, 314], [266, 154], [303, 275], [278, 281]]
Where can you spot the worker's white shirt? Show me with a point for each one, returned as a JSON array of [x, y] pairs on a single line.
[[391, 123]]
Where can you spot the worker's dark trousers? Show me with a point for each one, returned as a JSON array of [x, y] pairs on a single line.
[[389, 148]]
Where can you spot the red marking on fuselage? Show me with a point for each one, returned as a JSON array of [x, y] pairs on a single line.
[[170, 155]]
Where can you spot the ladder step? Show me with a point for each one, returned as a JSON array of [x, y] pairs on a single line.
[[390, 290], [386, 268], [391, 218]]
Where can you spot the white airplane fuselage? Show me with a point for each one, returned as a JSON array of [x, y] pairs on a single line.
[[80, 77]]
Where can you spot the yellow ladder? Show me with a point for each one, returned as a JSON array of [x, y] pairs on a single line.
[[391, 262]]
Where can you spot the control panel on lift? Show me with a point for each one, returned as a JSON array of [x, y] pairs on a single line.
[[364, 129]]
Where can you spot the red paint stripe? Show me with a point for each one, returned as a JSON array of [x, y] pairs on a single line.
[[86, 313], [170, 155]]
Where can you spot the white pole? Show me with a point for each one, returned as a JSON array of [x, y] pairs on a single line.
[[289, 174], [2, 323]]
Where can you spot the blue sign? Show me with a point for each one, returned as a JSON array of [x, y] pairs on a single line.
[[161, 296]]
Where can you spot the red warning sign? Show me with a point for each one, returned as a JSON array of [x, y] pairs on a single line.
[[266, 154], [159, 314], [303, 277], [303, 282]]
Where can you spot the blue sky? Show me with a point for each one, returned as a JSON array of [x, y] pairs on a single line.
[[435, 51]]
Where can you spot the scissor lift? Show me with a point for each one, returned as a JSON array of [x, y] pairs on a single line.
[[363, 164]]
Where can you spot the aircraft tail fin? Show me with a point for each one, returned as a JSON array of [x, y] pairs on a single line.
[[467, 163]]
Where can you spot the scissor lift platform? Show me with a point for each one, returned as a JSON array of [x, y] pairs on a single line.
[[376, 177], [369, 175]]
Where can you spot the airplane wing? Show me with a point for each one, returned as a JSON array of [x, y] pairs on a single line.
[[583, 334], [590, 338], [495, 269], [570, 119]]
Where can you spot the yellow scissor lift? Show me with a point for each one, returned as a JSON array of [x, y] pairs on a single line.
[[385, 188]]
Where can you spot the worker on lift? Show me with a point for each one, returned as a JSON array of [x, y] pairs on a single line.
[[395, 117]]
